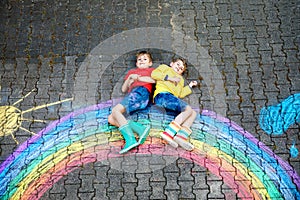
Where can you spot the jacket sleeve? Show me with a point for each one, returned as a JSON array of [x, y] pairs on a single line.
[[185, 91], [159, 73]]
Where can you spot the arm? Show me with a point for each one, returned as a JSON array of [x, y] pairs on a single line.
[[127, 83], [159, 74], [187, 90], [174, 79], [146, 79]]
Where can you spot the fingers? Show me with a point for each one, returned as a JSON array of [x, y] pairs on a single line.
[[193, 83], [134, 76], [174, 79]]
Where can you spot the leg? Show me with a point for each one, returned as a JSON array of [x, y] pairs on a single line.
[[190, 120], [116, 117], [173, 103], [183, 134], [138, 99], [140, 129], [183, 116], [112, 121], [130, 141], [170, 132]]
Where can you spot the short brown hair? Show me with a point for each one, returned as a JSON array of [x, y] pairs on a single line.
[[182, 59], [144, 53]]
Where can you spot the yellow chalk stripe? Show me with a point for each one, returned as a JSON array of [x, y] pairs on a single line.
[[115, 136], [46, 105], [155, 133], [24, 97]]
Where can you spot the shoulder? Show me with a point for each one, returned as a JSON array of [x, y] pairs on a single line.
[[134, 70], [147, 71], [163, 67], [150, 69], [131, 71]]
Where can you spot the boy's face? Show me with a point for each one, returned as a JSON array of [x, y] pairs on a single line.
[[143, 61], [178, 66]]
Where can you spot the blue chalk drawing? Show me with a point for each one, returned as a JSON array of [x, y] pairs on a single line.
[[278, 118], [294, 151]]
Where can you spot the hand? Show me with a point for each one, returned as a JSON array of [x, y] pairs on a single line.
[[130, 81], [134, 76], [174, 79], [193, 83]]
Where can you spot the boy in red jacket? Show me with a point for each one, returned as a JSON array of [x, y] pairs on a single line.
[[138, 83]]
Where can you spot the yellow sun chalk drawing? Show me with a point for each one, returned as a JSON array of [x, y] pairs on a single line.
[[11, 118]]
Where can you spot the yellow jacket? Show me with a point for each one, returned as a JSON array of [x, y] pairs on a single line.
[[162, 85]]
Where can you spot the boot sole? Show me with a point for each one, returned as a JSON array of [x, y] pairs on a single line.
[[184, 144], [128, 148], [169, 140]]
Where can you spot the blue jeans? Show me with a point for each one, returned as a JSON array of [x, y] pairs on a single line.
[[170, 102], [136, 99]]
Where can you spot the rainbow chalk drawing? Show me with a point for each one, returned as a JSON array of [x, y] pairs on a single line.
[[245, 164], [278, 118]]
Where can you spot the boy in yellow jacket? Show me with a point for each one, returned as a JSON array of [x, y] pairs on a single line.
[[169, 90]]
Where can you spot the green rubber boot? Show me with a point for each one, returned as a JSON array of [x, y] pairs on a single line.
[[130, 141], [141, 130]]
